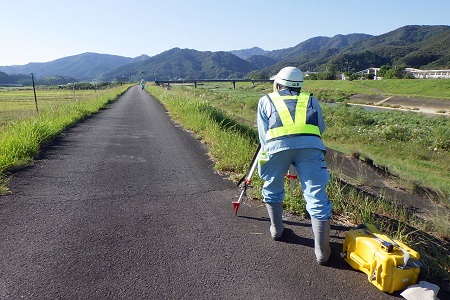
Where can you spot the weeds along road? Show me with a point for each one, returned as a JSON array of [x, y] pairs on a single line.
[[126, 205]]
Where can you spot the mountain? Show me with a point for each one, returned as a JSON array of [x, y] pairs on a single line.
[[413, 46], [184, 63], [261, 61], [317, 44], [246, 53], [85, 66], [309, 54], [432, 53], [139, 58], [422, 47]]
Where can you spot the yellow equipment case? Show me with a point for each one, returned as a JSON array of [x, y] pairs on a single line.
[[389, 264]]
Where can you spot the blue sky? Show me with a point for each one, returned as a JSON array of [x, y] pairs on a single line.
[[45, 30]]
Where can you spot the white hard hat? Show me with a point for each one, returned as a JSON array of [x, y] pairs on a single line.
[[289, 77]]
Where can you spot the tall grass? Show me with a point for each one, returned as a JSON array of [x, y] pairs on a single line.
[[411, 146]]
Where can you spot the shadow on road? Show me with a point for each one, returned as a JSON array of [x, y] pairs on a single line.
[[290, 237]]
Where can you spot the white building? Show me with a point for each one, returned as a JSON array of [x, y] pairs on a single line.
[[445, 74], [368, 71]]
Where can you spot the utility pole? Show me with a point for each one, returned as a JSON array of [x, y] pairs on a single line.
[[34, 90]]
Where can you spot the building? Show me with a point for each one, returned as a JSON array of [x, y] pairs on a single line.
[[369, 71], [445, 74]]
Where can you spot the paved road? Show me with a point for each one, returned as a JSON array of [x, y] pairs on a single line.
[[126, 205]]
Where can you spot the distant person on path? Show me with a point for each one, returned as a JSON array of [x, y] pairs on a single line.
[[290, 125], [142, 84]]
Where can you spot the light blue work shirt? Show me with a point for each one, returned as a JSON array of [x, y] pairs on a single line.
[[267, 115]]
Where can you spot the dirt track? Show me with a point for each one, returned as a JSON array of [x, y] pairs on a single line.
[[421, 105]]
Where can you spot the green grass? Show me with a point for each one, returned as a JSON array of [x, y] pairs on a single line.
[[429, 88], [422, 88]]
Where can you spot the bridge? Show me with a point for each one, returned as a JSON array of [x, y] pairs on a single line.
[[167, 83]]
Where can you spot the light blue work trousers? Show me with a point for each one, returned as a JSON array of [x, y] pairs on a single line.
[[313, 176]]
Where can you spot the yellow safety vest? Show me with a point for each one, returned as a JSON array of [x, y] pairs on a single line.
[[289, 127]]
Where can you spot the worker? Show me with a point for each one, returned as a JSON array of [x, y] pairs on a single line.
[[290, 125]]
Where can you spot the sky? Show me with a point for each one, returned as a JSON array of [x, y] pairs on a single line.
[[45, 30]]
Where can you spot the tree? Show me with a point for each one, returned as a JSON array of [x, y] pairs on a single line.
[[394, 72], [4, 78], [328, 74], [350, 76], [383, 70]]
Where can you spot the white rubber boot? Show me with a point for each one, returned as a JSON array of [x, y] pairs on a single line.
[[275, 211], [321, 230]]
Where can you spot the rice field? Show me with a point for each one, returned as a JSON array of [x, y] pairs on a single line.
[[19, 103], [26, 124]]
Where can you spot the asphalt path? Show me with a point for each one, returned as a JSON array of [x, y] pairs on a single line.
[[126, 205]]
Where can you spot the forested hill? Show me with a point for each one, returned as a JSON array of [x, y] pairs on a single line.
[[185, 63], [422, 47], [85, 65]]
